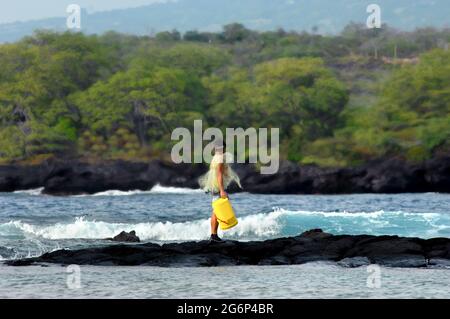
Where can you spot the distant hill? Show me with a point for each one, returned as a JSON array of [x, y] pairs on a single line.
[[325, 16]]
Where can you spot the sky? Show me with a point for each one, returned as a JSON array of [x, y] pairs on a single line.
[[23, 10]]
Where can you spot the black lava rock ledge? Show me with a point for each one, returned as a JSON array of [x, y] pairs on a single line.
[[75, 177], [313, 245]]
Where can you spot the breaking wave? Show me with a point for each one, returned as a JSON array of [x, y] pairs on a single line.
[[157, 189], [279, 222]]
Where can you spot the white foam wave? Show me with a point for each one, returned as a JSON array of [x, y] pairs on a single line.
[[257, 226], [253, 226], [157, 189], [118, 193], [174, 190], [33, 192]]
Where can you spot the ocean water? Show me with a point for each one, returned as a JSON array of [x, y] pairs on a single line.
[[32, 223]]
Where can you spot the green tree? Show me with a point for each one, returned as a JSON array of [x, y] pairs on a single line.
[[147, 103]]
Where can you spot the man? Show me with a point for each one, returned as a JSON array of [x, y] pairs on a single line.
[[217, 180]]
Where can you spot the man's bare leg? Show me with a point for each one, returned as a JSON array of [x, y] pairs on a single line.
[[214, 224]]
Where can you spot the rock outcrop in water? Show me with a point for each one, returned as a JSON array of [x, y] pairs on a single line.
[[125, 237], [314, 245], [69, 177]]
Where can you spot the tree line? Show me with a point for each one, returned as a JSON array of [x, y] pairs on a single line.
[[335, 99]]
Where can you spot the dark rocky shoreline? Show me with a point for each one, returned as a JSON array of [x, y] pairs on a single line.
[[314, 245], [73, 177]]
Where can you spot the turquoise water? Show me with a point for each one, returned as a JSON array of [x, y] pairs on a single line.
[[31, 224]]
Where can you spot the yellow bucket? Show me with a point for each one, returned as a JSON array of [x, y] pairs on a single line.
[[224, 213]]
